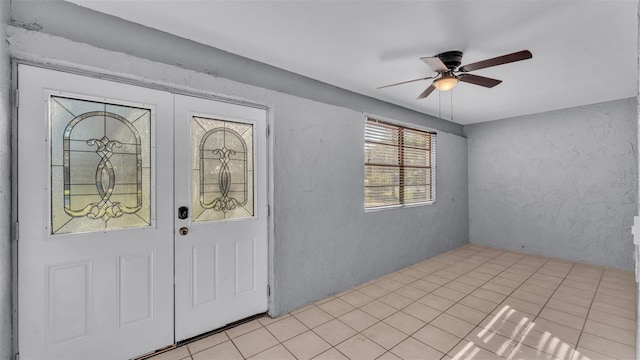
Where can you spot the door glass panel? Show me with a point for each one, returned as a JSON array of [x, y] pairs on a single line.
[[100, 166], [222, 159]]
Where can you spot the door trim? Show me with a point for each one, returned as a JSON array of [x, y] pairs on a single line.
[[124, 79]]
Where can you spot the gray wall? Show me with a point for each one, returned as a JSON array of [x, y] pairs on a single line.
[[323, 242], [562, 183], [5, 190]]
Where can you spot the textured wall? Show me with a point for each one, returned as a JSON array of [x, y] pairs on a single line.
[[5, 190], [562, 183], [324, 241]]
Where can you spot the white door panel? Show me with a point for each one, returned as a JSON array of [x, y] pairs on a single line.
[[85, 293], [221, 264]]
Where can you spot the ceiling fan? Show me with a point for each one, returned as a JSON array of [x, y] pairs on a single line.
[[449, 72]]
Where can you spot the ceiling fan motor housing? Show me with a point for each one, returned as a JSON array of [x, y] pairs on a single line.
[[451, 59]]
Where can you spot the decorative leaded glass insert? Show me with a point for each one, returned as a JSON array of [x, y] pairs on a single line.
[[222, 157], [100, 166]]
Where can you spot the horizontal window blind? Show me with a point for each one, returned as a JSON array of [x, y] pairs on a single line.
[[399, 164]]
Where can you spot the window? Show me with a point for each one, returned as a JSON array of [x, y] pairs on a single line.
[[399, 165]]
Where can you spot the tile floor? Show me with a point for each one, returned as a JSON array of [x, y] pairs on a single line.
[[473, 302]]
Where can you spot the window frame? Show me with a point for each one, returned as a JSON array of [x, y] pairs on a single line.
[[431, 152]]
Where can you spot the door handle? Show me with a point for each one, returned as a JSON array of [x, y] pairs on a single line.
[[183, 231]]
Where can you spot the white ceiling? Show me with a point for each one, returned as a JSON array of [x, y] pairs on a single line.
[[584, 52]]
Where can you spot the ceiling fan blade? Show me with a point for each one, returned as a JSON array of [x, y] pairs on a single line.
[[504, 59], [479, 80], [406, 82], [435, 64], [426, 93]]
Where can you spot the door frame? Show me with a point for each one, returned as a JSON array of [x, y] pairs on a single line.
[[129, 80]]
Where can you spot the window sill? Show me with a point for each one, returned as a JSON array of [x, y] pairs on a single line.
[[390, 207]]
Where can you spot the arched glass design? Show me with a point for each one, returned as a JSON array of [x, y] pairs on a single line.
[[100, 166], [222, 153]]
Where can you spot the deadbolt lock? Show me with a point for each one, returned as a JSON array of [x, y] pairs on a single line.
[[183, 230]]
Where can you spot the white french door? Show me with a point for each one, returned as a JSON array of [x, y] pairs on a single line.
[[221, 260], [99, 246]]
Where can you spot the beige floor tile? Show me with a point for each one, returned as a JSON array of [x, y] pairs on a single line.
[[255, 342], [437, 338], [243, 329], [447, 274], [512, 276], [207, 342], [436, 302], [460, 287], [509, 283], [331, 354], [306, 345], [573, 321], [606, 346], [360, 347], [467, 350], [453, 325], [530, 297], [480, 275], [336, 307], [396, 301], [287, 328], [435, 279], [477, 303], [358, 320], [489, 295], [404, 322], [175, 354], [401, 277], [505, 327], [424, 285], [613, 320], [522, 306], [467, 313], [356, 298], [625, 303], [378, 309], [491, 341], [389, 284], [549, 344], [626, 337], [224, 351], [470, 280], [313, 317], [572, 299], [449, 294], [334, 332], [561, 331], [325, 300], [628, 313], [524, 352], [266, 320], [414, 349], [275, 353], [567, 307], [500, 289], [411, 292], [373, 291], [422, 312], [388, 356], [576, 292], [591, 287], [384, 335], [585, 354]]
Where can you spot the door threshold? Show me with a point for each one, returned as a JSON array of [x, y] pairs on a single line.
[[221, 329]]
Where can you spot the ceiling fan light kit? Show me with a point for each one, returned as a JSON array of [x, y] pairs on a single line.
[[449, 72], [445, 83]]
